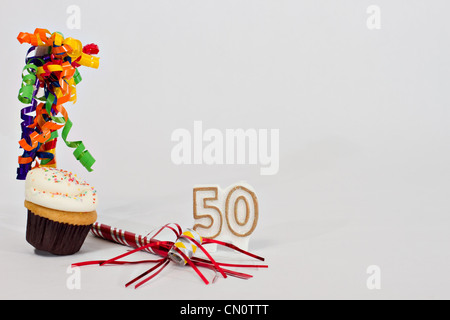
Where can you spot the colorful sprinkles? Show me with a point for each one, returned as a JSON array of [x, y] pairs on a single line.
[[54, 175]]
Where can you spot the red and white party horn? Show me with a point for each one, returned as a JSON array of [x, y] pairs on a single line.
[[126, 238], [181, 251]]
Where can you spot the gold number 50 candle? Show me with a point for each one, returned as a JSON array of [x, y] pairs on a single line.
[[229, 215]]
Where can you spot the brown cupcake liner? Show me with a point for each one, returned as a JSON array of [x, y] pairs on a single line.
[[55, 237]]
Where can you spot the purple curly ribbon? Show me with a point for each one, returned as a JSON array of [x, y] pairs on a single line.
[[23, 169]]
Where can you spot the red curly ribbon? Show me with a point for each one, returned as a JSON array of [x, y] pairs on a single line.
[[91, 48]]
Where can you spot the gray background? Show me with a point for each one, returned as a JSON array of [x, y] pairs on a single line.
[[364, 139]]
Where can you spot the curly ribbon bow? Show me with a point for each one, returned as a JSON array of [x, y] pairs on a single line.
[[53, 70], [181, 252]]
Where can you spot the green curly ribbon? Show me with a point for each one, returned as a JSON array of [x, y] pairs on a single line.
[[28, 81], [77, 77], [80, 152]]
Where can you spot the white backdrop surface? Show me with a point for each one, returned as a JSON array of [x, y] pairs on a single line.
[[364, 141]]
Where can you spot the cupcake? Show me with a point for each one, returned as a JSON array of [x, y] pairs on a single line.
[[61, 210]]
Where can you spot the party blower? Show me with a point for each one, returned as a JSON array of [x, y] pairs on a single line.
[[181, 251]]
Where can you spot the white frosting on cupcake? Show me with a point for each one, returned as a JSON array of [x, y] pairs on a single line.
[[59, 189]]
